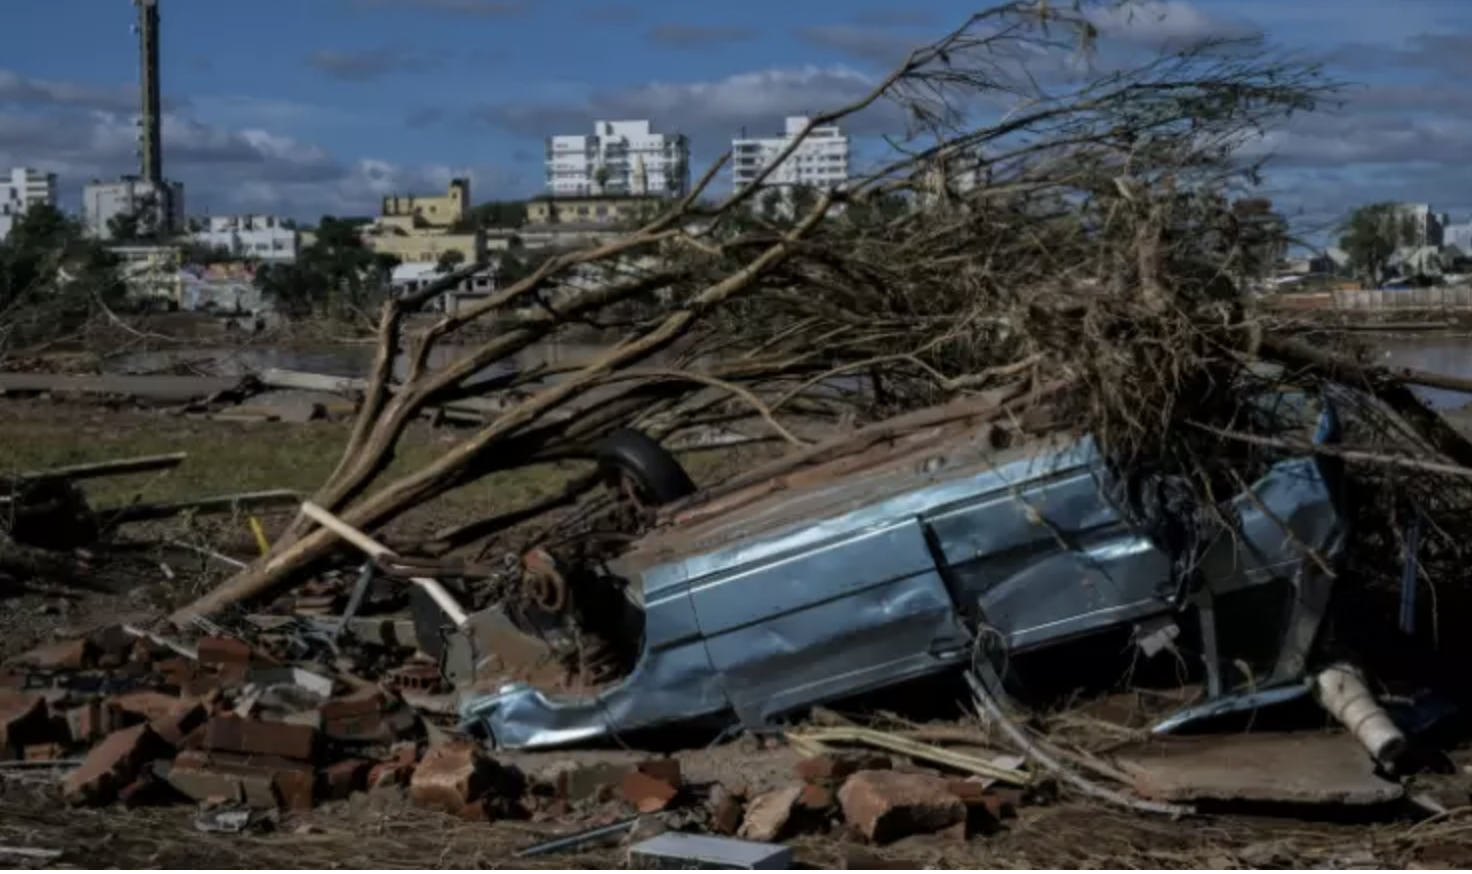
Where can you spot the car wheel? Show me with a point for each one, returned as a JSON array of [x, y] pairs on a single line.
[[631, 457]]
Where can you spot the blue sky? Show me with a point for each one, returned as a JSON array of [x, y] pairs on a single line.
[[312, 106]]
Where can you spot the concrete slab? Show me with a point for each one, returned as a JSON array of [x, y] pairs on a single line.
[[1299, 768]]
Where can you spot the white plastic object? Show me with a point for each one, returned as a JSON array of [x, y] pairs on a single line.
[[1342, 691]]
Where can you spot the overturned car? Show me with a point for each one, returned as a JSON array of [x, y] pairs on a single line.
[[942, 549]]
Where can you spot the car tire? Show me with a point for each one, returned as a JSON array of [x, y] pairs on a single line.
[[657, 473]]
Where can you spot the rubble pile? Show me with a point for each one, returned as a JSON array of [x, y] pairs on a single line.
[[133, 720]]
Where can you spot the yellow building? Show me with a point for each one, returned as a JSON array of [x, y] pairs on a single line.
[[440, 211], [419, 229], [594, 209]]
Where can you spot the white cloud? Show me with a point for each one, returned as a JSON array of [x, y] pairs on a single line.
[[81, 133]]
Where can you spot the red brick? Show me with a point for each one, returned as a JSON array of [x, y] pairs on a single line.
[[232, 734], [63, 655], [648, 794], [113, 764], [888, 805], [365, 716], [220, 651], [91, 721], [815, 798], [176, 725], [342, 779], [451, 776], [23, 720], [665, 770], [146, 791], [147, 704], [260, 781], [175, 671]]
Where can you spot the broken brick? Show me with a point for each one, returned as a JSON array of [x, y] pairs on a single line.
[[234, 734], [646, 792], [397, 770], [224, 651], [63, 655], [888, 805], [90, 721], [175, 671], [113, 764], [451, 776], [726, 812], [177, 724], [259, 782], [664, 770], [147, 704], [769, 813], [23, 720], [367, 716], [342, 779], [815, 798], [575, 782]]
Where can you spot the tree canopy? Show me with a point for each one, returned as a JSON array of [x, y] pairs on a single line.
[[335, 276]]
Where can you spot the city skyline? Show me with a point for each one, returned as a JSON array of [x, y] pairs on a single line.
[[302, 110]]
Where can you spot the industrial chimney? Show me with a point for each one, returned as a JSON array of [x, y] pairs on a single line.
[[150, 124]]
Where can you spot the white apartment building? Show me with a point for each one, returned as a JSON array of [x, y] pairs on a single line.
[[1426, 227], [618, 158], [821, 161], [130, 195], [258, 237], [21, 189]]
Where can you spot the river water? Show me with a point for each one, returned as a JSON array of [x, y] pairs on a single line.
[[1446, 355]]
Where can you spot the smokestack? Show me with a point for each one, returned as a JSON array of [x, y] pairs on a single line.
[[150, 134]]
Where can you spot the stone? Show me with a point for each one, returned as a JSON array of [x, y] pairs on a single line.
[[769, 813], [885, 806]]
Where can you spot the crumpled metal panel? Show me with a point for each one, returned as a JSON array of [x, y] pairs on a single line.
[[818, 608]]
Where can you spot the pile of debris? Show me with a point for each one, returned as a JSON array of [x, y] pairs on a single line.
[[135, 719]]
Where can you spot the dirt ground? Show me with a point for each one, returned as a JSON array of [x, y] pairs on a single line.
[[380, 830]]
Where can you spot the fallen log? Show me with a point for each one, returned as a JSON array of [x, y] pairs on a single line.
[[142, 512], [94, 470]]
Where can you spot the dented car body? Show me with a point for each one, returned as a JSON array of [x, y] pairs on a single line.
[[876, 571]]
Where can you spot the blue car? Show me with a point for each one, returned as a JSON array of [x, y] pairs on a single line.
[[945, 550]]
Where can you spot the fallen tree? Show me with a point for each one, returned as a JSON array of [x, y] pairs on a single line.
[[1036, 228]]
